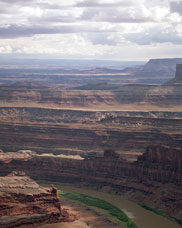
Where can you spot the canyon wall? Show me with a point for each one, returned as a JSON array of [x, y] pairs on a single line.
[[30, 94], [78, 132], [155, 71], [25, 203], [177, 80], [178, 74], [154, 179], [155, 68]]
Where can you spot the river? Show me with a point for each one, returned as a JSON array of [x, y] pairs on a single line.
[[143, 218]]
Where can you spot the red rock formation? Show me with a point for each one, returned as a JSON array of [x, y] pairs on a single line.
[[164, 155], [72, 131], [155, 179], [24, 202], [20, 155]]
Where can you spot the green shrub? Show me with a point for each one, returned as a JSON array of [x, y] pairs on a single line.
[[158, 212], [102, 204]]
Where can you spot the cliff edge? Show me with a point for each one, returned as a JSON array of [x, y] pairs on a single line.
[[178, 76], [24, 202]]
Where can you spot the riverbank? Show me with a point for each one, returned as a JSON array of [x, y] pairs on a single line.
[[86, 217], [141, 217], [97, 203]]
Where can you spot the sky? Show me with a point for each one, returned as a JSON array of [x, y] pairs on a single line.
[[91, 29]]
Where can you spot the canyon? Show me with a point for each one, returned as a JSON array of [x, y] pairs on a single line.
[[93, 96], [154, 179], [74, 73], [24, 202], [73, 132], [60, 134], [127, 119], [177, 80]]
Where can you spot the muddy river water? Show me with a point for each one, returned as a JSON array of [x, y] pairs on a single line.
[[143, 218]]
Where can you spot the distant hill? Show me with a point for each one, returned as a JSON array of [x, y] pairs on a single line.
[[98, 86], [23, 85], [78, 64], [159, 68], [76, 73]]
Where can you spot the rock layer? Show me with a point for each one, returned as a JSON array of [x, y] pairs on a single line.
[[41, 96], [77, 132], [154, 179], [24, 202]]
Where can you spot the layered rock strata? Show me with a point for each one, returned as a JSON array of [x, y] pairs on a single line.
[[23, 202], [77, 132], [41, 96], [154, 179]]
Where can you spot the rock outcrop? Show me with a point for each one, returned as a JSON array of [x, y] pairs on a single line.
[[163, 69], [178, 76], [163, 155], [20, 155], [154, 179], [28, 95], [156, 71], [178, 71], [23, 202], [110, 154], [78, 132]]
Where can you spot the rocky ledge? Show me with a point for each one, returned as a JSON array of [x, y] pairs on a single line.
[[178, 76], [155, 179], [23, 202]]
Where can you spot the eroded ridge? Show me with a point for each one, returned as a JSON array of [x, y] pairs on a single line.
[[24, 202]]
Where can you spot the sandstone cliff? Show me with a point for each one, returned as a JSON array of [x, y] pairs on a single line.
[[154, 179], [78, 132], [41, 96], [178, 76], [155, 68], [23, 202], [156, 71]]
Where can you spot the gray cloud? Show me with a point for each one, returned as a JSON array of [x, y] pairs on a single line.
[[31, 3], [51, 6], [4, 10], [16, 1], [96, 3], [113, 15], [54, 19], [102, 39], [176, 7], [154, 36], [10, 8], [89, 22], [15, 31]]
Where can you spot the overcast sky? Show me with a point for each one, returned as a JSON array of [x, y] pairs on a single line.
[[96, 29]]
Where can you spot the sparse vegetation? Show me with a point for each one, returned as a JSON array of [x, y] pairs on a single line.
[[158, 212], [102, 204]]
